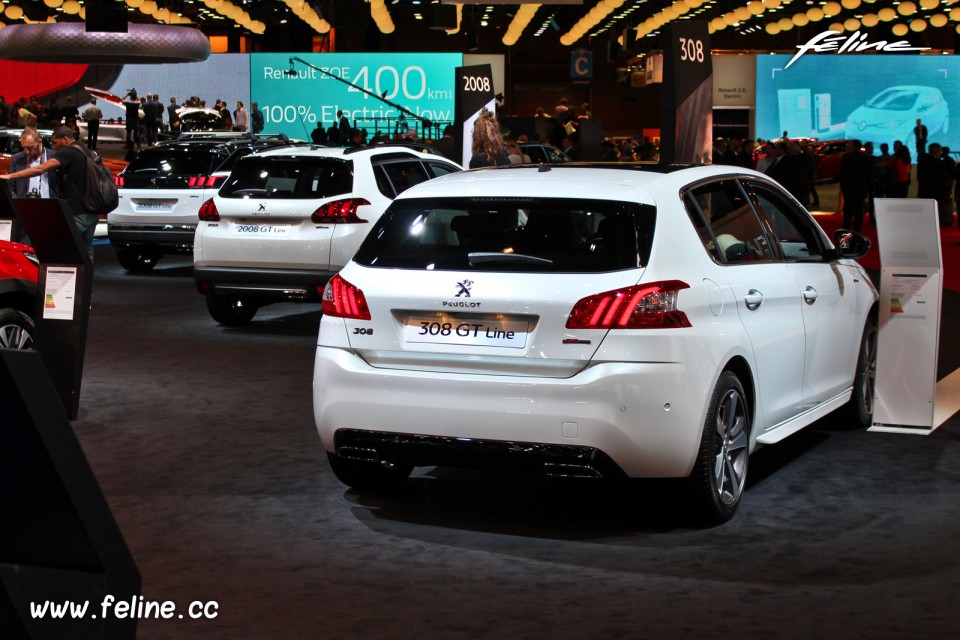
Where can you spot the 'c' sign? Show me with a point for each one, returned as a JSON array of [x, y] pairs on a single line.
[[581, 65]]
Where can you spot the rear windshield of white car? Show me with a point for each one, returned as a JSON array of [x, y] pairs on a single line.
[[174, 160], [289, 177], [497, 234]]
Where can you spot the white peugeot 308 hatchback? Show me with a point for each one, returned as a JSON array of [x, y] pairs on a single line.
[[583, 321]]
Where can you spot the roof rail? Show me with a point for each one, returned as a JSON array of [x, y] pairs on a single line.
[[413, 146], [230, 135]]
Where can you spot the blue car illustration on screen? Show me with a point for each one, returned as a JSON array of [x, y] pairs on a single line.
[[892, 114]]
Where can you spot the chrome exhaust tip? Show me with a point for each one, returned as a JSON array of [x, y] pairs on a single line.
[[358, 453], [559, 470]]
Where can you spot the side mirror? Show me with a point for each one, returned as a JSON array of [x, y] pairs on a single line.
[[850, 244]]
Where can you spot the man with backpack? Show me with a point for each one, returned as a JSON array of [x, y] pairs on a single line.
[[70, 163]]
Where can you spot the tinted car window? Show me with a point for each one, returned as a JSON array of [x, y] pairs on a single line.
[[728, 226], [404, 174], [169, 165], [441, 168], [200, 121], [297, 178], [542, 153], [551, 235], [231, 162], [793, 229]]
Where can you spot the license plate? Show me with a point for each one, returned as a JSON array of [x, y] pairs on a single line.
[[154, 205], [481, 332], [262, 230]]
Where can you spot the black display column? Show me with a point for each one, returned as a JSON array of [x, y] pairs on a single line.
[[10, 227], [63, 292], [59, 542]]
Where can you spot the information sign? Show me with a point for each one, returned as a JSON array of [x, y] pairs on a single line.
[[474, 94], [295, 97], [909, 319]]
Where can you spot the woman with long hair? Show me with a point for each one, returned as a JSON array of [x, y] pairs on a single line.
[[488, 148]]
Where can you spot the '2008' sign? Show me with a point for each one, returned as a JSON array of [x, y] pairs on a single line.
[[691, 50], [476, 83]]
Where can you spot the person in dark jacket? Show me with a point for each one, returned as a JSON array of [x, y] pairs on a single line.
[[945, 199], [447, 145], [71, 179], [930, 173], [132, 106], [855, 183], [792, 171]]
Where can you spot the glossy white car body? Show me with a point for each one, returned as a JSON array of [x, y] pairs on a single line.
[[163, 188], [267, 244], [627, 402]]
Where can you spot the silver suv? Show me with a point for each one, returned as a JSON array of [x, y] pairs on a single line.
[[288, 219]]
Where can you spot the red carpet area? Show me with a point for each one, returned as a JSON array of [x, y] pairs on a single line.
[[949, 250]]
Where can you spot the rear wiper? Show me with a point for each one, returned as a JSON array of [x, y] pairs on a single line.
[[496, 256]]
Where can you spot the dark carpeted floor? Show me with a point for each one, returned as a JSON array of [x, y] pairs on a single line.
[[203, 441]]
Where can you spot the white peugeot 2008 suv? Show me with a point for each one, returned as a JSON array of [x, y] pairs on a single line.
[[163, 188], [591, 321], [284, 222]]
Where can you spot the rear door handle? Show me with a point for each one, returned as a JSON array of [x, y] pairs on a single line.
[[753, 299], [810, 295]]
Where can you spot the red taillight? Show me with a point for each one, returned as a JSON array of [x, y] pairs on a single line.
[[208, 211], [343, 300], [205, 182], [644, 306], [340, 212], [118, 180]]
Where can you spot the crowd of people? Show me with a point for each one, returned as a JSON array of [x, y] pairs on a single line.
[[145, 117], [53, 173], [864, 176]]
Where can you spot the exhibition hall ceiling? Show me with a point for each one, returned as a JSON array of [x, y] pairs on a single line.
[[633, 25]]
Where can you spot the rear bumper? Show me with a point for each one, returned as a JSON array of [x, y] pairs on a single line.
[[568, 461], [171, 237], [292, 285], [638, 419]]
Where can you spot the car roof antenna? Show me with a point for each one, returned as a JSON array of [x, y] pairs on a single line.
[[543, 167]]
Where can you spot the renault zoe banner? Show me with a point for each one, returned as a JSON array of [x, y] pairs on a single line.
[[687, 122], [474, 94], [382, 93]]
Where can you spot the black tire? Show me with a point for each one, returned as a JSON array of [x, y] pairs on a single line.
[[720, 472], [16, 329], [138, 260], [368, 475], [231, 311], [860, 408]]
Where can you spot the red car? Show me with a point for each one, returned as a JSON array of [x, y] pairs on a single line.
[[19, 269], [829, 155]]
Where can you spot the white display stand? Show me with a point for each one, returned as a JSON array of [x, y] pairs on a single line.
[[908, 233]]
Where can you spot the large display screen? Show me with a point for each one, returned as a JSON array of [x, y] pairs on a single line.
[[875, 98], [294, 97], [223, 76]]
